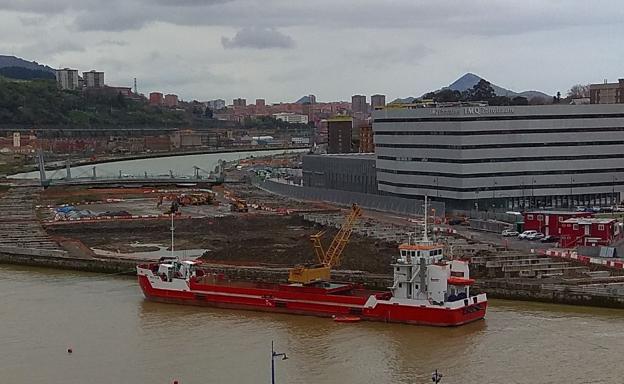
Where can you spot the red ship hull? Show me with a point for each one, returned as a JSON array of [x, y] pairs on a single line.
[[334, 300]]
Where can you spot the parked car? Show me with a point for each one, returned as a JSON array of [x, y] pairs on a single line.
[[549, 239], [535, 236], [526, 234], [509, 232], [455, 221]]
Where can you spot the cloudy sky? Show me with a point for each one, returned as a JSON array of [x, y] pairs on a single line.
[[283, 49]]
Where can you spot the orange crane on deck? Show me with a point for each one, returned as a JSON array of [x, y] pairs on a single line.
[[329, 258]]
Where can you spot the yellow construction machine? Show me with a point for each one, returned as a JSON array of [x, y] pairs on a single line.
[[329, 258]]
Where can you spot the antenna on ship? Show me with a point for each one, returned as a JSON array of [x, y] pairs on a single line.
[[425, 239], [172, 231]]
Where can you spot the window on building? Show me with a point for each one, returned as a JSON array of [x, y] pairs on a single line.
[[529, 217], [560, 218], [575, 227], [540, 217], [601, 227]]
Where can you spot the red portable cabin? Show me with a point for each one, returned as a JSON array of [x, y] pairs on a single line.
[[589, 232], [549, 222]]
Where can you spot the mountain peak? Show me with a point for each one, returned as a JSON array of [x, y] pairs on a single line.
[[469, 80]]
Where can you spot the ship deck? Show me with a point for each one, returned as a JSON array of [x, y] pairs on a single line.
[[323, 288]]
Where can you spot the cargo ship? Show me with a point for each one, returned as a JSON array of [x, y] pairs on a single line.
[[426, 289]]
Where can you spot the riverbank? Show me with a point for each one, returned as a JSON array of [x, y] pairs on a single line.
[[58, 165], [154, 155]]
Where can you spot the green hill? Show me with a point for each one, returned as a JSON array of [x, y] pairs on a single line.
[[41, 102]]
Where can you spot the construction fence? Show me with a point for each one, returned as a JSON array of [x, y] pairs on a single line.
[[488, 215], [375, 202]]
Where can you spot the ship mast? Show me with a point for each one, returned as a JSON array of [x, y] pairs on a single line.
[[425, 239], [172, 231]]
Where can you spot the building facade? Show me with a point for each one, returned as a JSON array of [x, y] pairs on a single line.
[[241, 103], [358, 104], [93, 79], [67, 78], [549, 222], [339, 135], [589, 232], [346, 172], [216, 105], [171, 100], [378, 101], [367, 144], [503, 157], [607, 93], [292, 118], [156, 98]]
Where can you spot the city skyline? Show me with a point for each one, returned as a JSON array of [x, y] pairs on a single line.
[[281, 51]]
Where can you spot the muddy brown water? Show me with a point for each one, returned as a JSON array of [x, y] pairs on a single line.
[[118, 337]]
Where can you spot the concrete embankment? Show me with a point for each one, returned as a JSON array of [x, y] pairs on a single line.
[[44, 259], [598, 296]]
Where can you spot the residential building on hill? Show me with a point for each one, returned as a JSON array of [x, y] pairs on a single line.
[[292, 118], [67, 78], [93, 79], [171, 100], [378, 101]]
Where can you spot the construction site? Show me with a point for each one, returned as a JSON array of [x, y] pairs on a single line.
[[253, 234]]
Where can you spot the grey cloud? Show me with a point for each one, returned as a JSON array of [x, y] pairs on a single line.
[[189, 3], [118, 43], [51, 48], [258, 38], [30, 21], [379, 56], [455, 17]]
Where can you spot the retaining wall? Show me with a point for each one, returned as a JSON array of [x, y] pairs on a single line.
[[369, 201]]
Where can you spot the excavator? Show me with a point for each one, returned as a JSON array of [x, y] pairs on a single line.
[[307, 274]]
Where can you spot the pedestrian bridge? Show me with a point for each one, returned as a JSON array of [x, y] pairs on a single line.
[[94, 176]]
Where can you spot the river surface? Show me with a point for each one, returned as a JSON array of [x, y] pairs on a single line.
[[157, 166], [118, 337]]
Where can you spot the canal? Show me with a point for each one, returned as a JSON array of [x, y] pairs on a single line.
[[118, 337]]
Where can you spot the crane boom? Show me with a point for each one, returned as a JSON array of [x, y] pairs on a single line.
[[334, 252], [331, 257]]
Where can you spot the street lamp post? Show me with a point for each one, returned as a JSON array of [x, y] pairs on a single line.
[[273, 356], [494, 189], [571, 186], [436, 377], [613, 191]]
